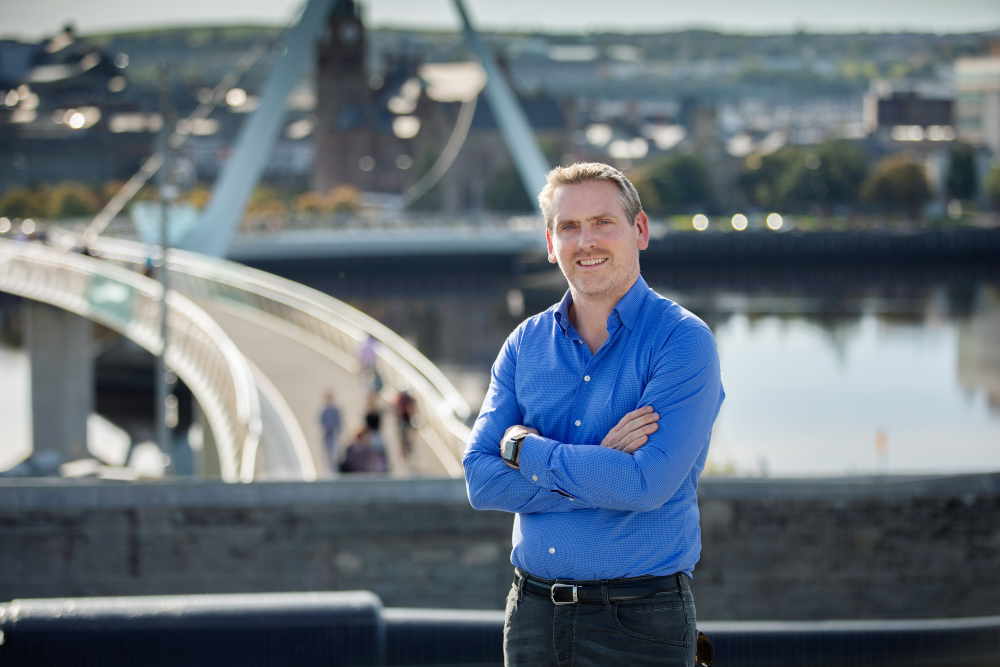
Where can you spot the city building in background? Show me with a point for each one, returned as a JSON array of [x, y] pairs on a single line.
[[977, 106], [376, 108]]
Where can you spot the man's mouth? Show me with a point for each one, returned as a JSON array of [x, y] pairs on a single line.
[[593, 262]]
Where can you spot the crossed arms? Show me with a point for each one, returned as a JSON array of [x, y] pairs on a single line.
[[642, 462]]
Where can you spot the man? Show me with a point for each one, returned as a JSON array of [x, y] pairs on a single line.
[[329, 420], [594, 431]]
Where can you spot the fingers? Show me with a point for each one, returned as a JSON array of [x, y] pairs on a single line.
[[640, 438], [636, 439], [633, 431], [622, 427], [641, 421], [635, 414]]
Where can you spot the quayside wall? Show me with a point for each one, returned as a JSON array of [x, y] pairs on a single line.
[[804, 549]]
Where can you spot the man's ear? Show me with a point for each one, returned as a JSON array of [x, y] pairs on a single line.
[[548, 244], [642, 225]]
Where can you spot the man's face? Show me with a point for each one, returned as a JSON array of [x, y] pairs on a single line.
[[592, 240]]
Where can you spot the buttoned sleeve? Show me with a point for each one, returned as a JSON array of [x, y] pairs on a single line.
[[491, 483], [685, 388]]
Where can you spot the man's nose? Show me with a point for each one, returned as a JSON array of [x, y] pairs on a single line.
[[588, 237]]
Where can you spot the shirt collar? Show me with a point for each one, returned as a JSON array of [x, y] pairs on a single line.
[[562, 312], [627, 308]]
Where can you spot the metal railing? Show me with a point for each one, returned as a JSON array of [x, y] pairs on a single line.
[[263, 628], [441, 409], [197, 351]]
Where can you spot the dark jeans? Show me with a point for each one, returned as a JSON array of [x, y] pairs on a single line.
[[657, 631]]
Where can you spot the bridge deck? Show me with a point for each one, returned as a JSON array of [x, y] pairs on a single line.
[[302, 372]]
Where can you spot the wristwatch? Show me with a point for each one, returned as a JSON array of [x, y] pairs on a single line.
[[512, 449]]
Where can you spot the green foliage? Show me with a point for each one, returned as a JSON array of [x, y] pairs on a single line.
[[648, 195], [676, 183], [72, 200], [69, 199], [795, 178], [897, 182], [992, 186], [20, 202], [506, 193], [962, 173], [431, 201]]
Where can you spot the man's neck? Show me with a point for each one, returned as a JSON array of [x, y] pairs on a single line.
[[589, 315]]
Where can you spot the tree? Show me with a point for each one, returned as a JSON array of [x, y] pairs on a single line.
[[647, 191], [18, 202], [897, 182], [71, 200], [506, 193], [830, 173], [762, 174], [681, 184], [962, 173], [992, 186]]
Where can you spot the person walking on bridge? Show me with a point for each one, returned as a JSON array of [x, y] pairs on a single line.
[[594, 431], [329, 420]]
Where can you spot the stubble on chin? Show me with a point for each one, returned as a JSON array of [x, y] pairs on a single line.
[[597, 290], [613, 286]]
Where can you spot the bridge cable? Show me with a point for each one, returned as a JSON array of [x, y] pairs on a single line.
[[184, 130], [447, 156]]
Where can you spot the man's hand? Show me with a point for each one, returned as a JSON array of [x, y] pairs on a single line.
[[632, 431], [512, 432]]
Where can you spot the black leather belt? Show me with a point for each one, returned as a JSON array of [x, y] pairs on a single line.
[[591, 592]]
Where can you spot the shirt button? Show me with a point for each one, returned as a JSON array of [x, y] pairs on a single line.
[[552, 550], [577, 422], [586, 378], [534, 478]]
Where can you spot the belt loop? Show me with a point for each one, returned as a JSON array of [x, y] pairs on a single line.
[[520, 584], [604, 594]]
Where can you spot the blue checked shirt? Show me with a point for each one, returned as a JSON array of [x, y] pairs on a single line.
[[586, 511]]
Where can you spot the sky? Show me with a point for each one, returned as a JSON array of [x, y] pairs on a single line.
[[31, 19]]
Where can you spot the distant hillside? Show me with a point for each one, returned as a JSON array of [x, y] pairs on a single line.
[[803, 64]]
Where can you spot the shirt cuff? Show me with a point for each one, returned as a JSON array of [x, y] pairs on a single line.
[[533, 460]]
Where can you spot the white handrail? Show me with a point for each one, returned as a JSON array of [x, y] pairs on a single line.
[[442, 407], [199, 352]]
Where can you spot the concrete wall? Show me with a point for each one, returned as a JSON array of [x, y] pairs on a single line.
[[773, 549]]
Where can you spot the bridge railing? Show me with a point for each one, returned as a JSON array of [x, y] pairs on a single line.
[[197, 350], [354, 627], [328, 322]]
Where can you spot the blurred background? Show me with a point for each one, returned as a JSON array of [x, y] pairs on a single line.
[[775, 124], [347, 192]]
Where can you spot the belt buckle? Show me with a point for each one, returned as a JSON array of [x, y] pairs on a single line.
[[552, 593]]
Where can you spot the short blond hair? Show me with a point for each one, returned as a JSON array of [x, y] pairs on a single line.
[[582, 172]]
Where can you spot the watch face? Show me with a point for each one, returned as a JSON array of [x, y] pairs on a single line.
[[509, 447]]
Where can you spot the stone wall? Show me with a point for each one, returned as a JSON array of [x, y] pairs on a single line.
[[773, 549]]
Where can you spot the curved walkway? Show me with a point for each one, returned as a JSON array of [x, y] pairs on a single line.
[[198, 351], [303, 342]]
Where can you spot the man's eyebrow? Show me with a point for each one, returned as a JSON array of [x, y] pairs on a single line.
[[600, 216]]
